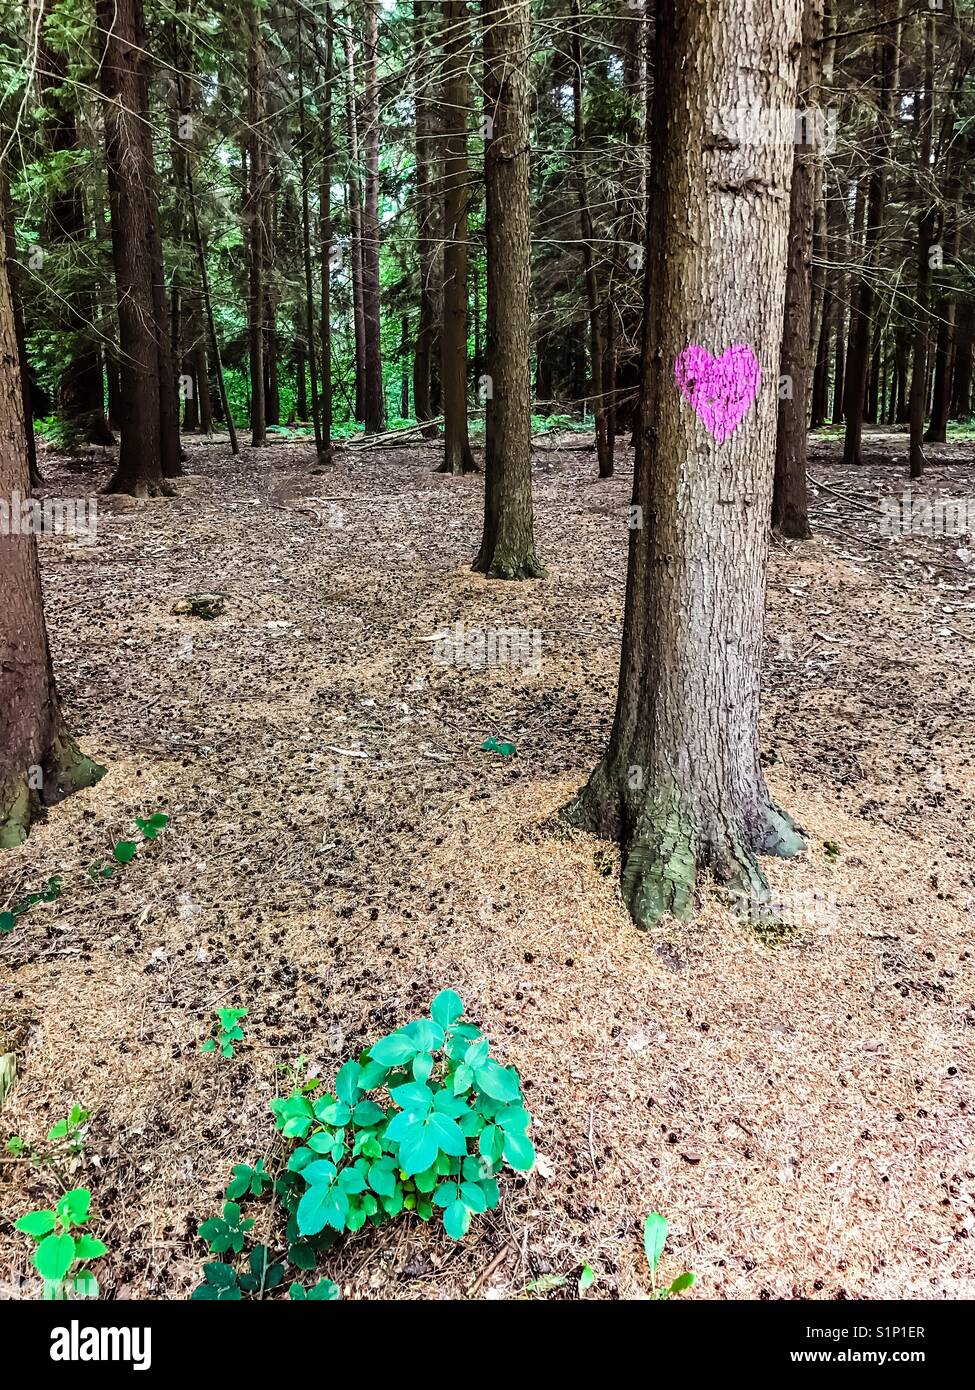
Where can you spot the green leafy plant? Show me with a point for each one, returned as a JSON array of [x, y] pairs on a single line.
[[455, 1118], [71, 1130], [8, 920], [227, 1232], [654, 1239], [124, 851], [249, 1181], [228, 1030], [493, 745], [324, 1290], [62, 1247]]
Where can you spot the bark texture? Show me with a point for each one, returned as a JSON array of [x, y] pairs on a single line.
[[508, 542], [681, 786], [39, 761]]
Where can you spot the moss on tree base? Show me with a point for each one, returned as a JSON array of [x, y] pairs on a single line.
[[24, 795]]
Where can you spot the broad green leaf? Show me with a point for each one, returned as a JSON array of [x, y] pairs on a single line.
[[654, 1238], [125, 851], [54, 1256], [519, 1152], [312, 1213], [36, 1223], [418, 1150], [472, 1196], [457, 1220], [448, 1134], [88, 1248], [447, 1008], [682, 1282], [415, 1098], [586, 1279], [497, 1082], [393, 1051], [347, 1083]]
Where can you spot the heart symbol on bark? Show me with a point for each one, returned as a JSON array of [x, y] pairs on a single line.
[[720, 389]]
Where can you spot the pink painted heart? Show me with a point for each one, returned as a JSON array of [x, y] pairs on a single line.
[[720, 389]]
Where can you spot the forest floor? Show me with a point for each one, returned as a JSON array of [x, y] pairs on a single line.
[[799, 1109]]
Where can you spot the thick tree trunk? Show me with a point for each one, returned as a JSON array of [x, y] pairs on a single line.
[[147, 400], [790, 513], [306, 256], [453, 340], [508, 541], [39, 761], [374, 399], [681, 785], [80, 399]]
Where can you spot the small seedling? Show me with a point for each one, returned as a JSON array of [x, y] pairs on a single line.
[[324, 1290], [229, 1032], [249, 1181], [493, 745], [71, 1130], [8, 920], [586, 1279], [62, 1249], [654, 1239]]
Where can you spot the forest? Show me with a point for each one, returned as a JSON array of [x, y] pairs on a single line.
[[487, 588]]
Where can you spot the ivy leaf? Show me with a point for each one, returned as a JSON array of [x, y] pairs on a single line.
[[125, 851], [447, 1008], [654, 1239], [54, 1256], [457, 1220]]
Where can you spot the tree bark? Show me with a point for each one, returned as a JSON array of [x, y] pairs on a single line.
[[374, 400], [356, 229], [257, 175], [429, 224], [453, 340], [148, 452], [887, 54], [508, 541], [681, 785], [927, 231], [39, 760], [790, 512]]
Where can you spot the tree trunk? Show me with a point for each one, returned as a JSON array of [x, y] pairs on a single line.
[[39, 761], [681, 785], [80, 399], [453, 341], [257, 175], [26, 397], [887, 54], [306, 253], [508, 541], [961, 387], [926, 234], [147, 398], [598, 311], [374, 400], [355, 227], [790, 514], [429, 223], [325, 232]]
